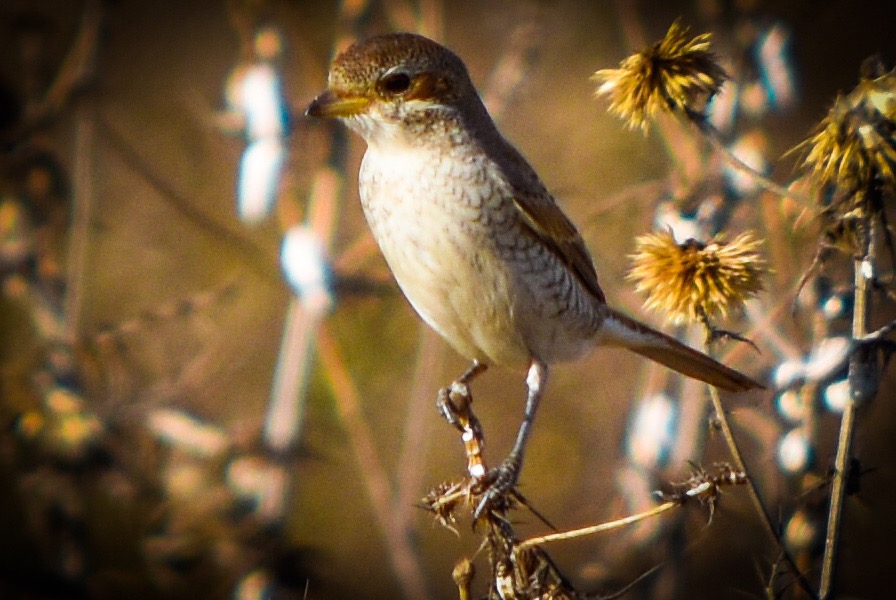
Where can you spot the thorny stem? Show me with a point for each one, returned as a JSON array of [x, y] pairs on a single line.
[[847, 424], [737, 457]]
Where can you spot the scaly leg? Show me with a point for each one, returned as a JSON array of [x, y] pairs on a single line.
[[504, 478]]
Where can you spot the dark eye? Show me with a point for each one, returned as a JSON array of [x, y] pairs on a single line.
[[394, 83]]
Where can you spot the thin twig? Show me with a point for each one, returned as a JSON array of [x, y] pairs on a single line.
[[714, 138], [878, 334], [566, 535], [636, 193], [861, 310]]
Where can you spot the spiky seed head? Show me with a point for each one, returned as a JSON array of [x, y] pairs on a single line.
[[853, 149], [676, 74], [694, 282]]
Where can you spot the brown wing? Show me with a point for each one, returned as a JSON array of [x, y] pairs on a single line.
[[540, 213], [552, 227]]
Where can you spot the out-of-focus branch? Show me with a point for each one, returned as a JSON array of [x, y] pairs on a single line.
[[79, 229], [410, 472], [373, 475]]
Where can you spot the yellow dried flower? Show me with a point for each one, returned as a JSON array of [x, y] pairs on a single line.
[[854, 147], [675, 74], [696, 282]]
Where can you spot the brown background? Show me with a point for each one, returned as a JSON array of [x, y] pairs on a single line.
[[164, 227]]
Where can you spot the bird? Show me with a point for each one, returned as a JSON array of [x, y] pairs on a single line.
[[478, 245]]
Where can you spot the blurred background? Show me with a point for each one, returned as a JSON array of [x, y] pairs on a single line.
[[211, 387]]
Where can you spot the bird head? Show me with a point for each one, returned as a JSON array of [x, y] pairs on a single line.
[[398, 85]]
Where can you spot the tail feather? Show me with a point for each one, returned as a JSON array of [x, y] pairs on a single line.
[[620, 330]]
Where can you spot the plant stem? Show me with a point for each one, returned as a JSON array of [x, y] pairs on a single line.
[[847, 423], [739, 463], [714, 138], [598, 528]]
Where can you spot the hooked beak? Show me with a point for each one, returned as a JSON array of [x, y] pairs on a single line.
[[329, 105]]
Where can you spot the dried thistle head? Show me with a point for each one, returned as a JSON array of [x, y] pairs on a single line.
[[853, 150], [675, 74], [695, 282]]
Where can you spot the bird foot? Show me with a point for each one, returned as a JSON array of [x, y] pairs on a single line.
[[499, 491], [453, 402]]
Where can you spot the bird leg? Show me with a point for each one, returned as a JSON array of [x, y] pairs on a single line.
[[454, 402], [504, 478], [456, 397]]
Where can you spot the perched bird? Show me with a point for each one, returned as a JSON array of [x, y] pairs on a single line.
[[476, 242]]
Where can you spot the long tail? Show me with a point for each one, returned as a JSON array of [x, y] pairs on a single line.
[[620, 330]]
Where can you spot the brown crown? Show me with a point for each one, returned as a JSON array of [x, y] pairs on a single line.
[[358, 68]]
